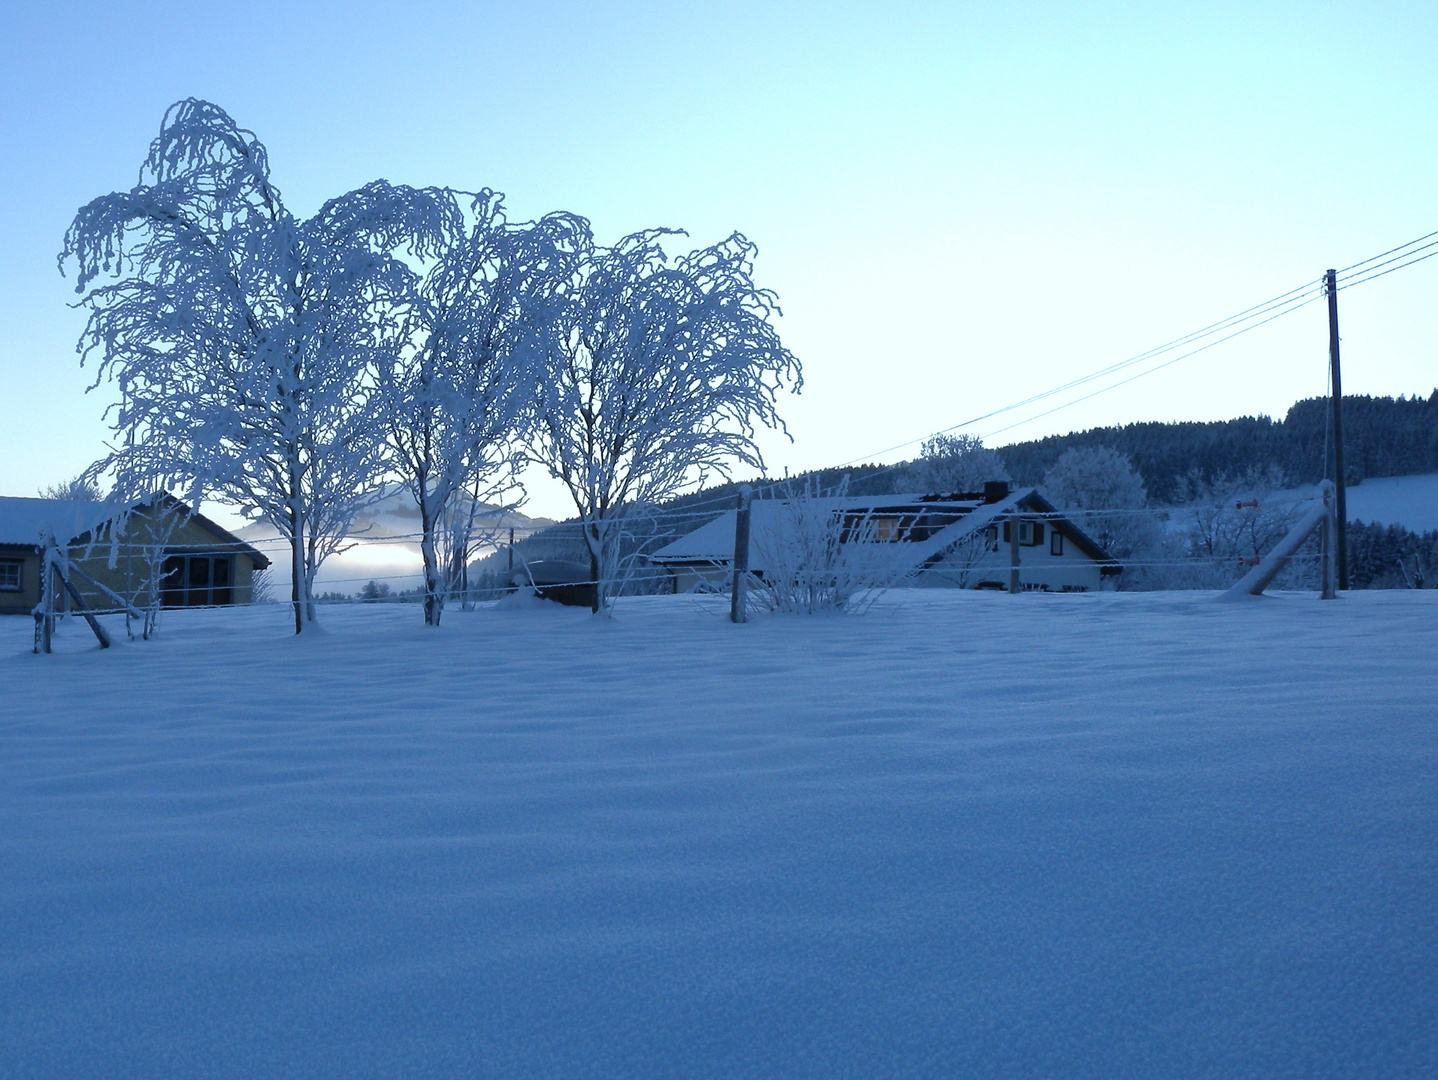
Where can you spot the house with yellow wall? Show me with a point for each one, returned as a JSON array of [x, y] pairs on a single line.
[[163, 550]]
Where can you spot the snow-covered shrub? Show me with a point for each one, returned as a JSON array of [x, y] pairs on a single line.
[[816, 556], [262, 587]]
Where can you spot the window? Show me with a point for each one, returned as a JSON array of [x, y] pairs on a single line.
[[1031, 533], [10, 575], [886, 528], [198, 580], [1056, 542], [867, 526]]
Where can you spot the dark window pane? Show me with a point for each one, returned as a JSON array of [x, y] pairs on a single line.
[[173, 583], [220, 573]]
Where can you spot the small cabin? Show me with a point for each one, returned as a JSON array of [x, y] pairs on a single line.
[[195, 561]]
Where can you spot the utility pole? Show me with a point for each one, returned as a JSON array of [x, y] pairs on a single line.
[[1014, 553], [1341, 501]]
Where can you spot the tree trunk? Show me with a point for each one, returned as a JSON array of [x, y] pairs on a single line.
[[433, 599], [311, 569], [594, 538], [297, 567]]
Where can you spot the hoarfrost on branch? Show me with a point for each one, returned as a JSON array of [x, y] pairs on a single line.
[[240, 337], [660, 373]]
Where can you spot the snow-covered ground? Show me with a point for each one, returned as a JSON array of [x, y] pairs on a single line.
[[1101, 835], [1410, 501]]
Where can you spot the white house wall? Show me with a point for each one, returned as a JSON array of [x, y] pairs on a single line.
[[1038, 569]]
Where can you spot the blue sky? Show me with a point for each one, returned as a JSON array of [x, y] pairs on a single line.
[[958, 204]]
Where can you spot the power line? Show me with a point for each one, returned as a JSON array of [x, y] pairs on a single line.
[[1283, 304], [1390, 251], [1158, 367], [1410, 262], [1296, 297]]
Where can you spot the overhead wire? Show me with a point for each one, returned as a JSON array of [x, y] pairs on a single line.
[[1369, 277], [1279, 301], [1159, 367], [1390, 251]]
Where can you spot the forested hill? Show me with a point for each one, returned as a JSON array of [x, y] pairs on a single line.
[[1382, 436]]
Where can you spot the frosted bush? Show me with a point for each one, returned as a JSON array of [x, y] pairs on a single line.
[[818, 556]]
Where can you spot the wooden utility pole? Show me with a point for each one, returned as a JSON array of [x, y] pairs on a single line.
[[1014, 553], [1341, 501], [737, 609], [1328, 587]]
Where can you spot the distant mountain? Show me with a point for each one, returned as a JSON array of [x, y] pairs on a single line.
[[385, 545]]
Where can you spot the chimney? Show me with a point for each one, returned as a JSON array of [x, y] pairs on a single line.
[[996, 491]]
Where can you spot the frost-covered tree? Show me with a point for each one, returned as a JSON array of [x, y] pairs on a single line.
[[464, 381], [1233, 517], [240, 337], [659, 375], [956, 463], [817, 556], [1103, 493], [82, 488]]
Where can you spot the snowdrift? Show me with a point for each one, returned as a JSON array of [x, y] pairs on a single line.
[[967, 834]]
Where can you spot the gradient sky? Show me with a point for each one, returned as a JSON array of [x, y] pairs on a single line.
[[958, 204]]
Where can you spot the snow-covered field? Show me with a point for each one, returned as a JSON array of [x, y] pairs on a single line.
[[1115, 835], [1410, 501]]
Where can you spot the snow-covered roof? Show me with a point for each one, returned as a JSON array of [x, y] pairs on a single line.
[[952, 520], [26, 521], [714, 541]]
